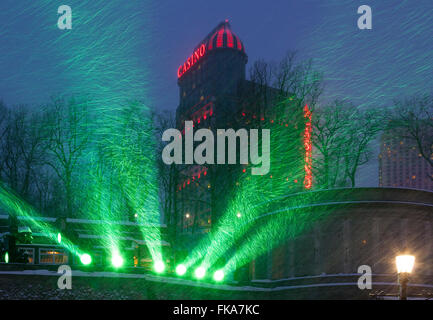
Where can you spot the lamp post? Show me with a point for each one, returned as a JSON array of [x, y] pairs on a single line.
[[405, 265]]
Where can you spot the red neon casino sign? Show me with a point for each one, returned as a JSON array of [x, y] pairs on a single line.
[[196, 56]]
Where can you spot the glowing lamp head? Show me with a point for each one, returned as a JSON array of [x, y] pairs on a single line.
[[218, 275], [59, 237], [239, 215], [159, 266], [200, 272], [180, 270], [86, 259], [405, 263], [117, 260], [7, 257]]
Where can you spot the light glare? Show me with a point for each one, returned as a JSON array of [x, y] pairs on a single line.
[[86, 259], [180, 270], [117, 261], [218, 275], [200, 272], [405, 263], [159, 266]]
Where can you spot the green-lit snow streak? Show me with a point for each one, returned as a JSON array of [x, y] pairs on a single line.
[[103, 61], [17, 207], [255, 194], [127, 145]]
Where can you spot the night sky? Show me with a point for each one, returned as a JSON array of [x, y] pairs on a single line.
[[368, 67]]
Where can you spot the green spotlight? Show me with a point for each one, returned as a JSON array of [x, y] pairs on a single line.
[[117, 260], [59, 237], [159, 266], [86, 259], [200, 272], [180, 270], [7, 257], [218, 275]]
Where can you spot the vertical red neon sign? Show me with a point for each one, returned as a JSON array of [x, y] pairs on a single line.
[[308, 179]]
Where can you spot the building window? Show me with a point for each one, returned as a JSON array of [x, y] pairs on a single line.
[[52, 256], [30, 252]]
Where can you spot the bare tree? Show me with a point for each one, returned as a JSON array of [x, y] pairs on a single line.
[[290, 83], [168, 174], [365, 127], [66, 139], [342, 136], [21, 149], [330, 124], [298, 79]]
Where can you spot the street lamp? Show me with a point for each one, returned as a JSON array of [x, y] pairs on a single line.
[[405, 265]]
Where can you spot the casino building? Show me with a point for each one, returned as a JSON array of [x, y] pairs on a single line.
[[208, 89], [214, 94]]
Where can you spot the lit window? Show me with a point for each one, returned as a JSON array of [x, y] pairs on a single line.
[[29, 252], [52, 256]]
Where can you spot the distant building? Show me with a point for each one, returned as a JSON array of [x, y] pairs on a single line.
[[401, 164]]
